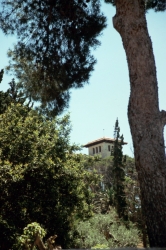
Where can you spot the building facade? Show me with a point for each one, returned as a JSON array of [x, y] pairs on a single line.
[[102, 147]]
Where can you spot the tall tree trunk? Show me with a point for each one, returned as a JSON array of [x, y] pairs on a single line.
[[145, 119]]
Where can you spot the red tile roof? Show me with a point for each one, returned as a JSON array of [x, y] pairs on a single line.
[[101, 140]]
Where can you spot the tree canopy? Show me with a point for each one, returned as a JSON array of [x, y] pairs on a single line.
[[53, 52]]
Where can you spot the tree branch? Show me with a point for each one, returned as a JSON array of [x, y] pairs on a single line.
[[39, 243]]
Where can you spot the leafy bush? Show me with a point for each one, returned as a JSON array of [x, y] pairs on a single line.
[[42, 179], [105, 231], [28, 236], [98, 246]]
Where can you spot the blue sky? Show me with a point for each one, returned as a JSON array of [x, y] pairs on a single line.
[[94, 108]]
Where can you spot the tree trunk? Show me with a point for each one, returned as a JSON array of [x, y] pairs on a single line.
[[39, 243], [145, 119]]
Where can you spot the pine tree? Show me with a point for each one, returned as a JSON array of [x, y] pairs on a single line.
[[119, 174], [53, 53]]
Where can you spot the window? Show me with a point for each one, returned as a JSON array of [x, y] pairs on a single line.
[[109, 149], [99, 148], [96, 150], [93, 150]]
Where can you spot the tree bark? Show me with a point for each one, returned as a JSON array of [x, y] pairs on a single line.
[[145, 119]]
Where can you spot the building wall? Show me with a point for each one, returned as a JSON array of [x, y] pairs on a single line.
[[104, 147]]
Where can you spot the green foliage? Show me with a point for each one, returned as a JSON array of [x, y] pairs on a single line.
[[100, 246], [42, 179], [105, 230], [28, 237], [55, 38], [12, 95], [106, 197], [5, 100], [119, 174], [1, 75]]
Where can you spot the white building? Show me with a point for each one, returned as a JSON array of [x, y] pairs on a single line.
[[102, 146]]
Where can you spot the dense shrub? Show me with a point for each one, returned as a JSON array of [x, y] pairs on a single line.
[[107, 230]]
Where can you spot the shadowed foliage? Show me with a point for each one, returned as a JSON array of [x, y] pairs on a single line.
[[53, 52]]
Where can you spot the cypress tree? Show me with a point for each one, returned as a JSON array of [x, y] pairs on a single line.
[[119, 173]]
